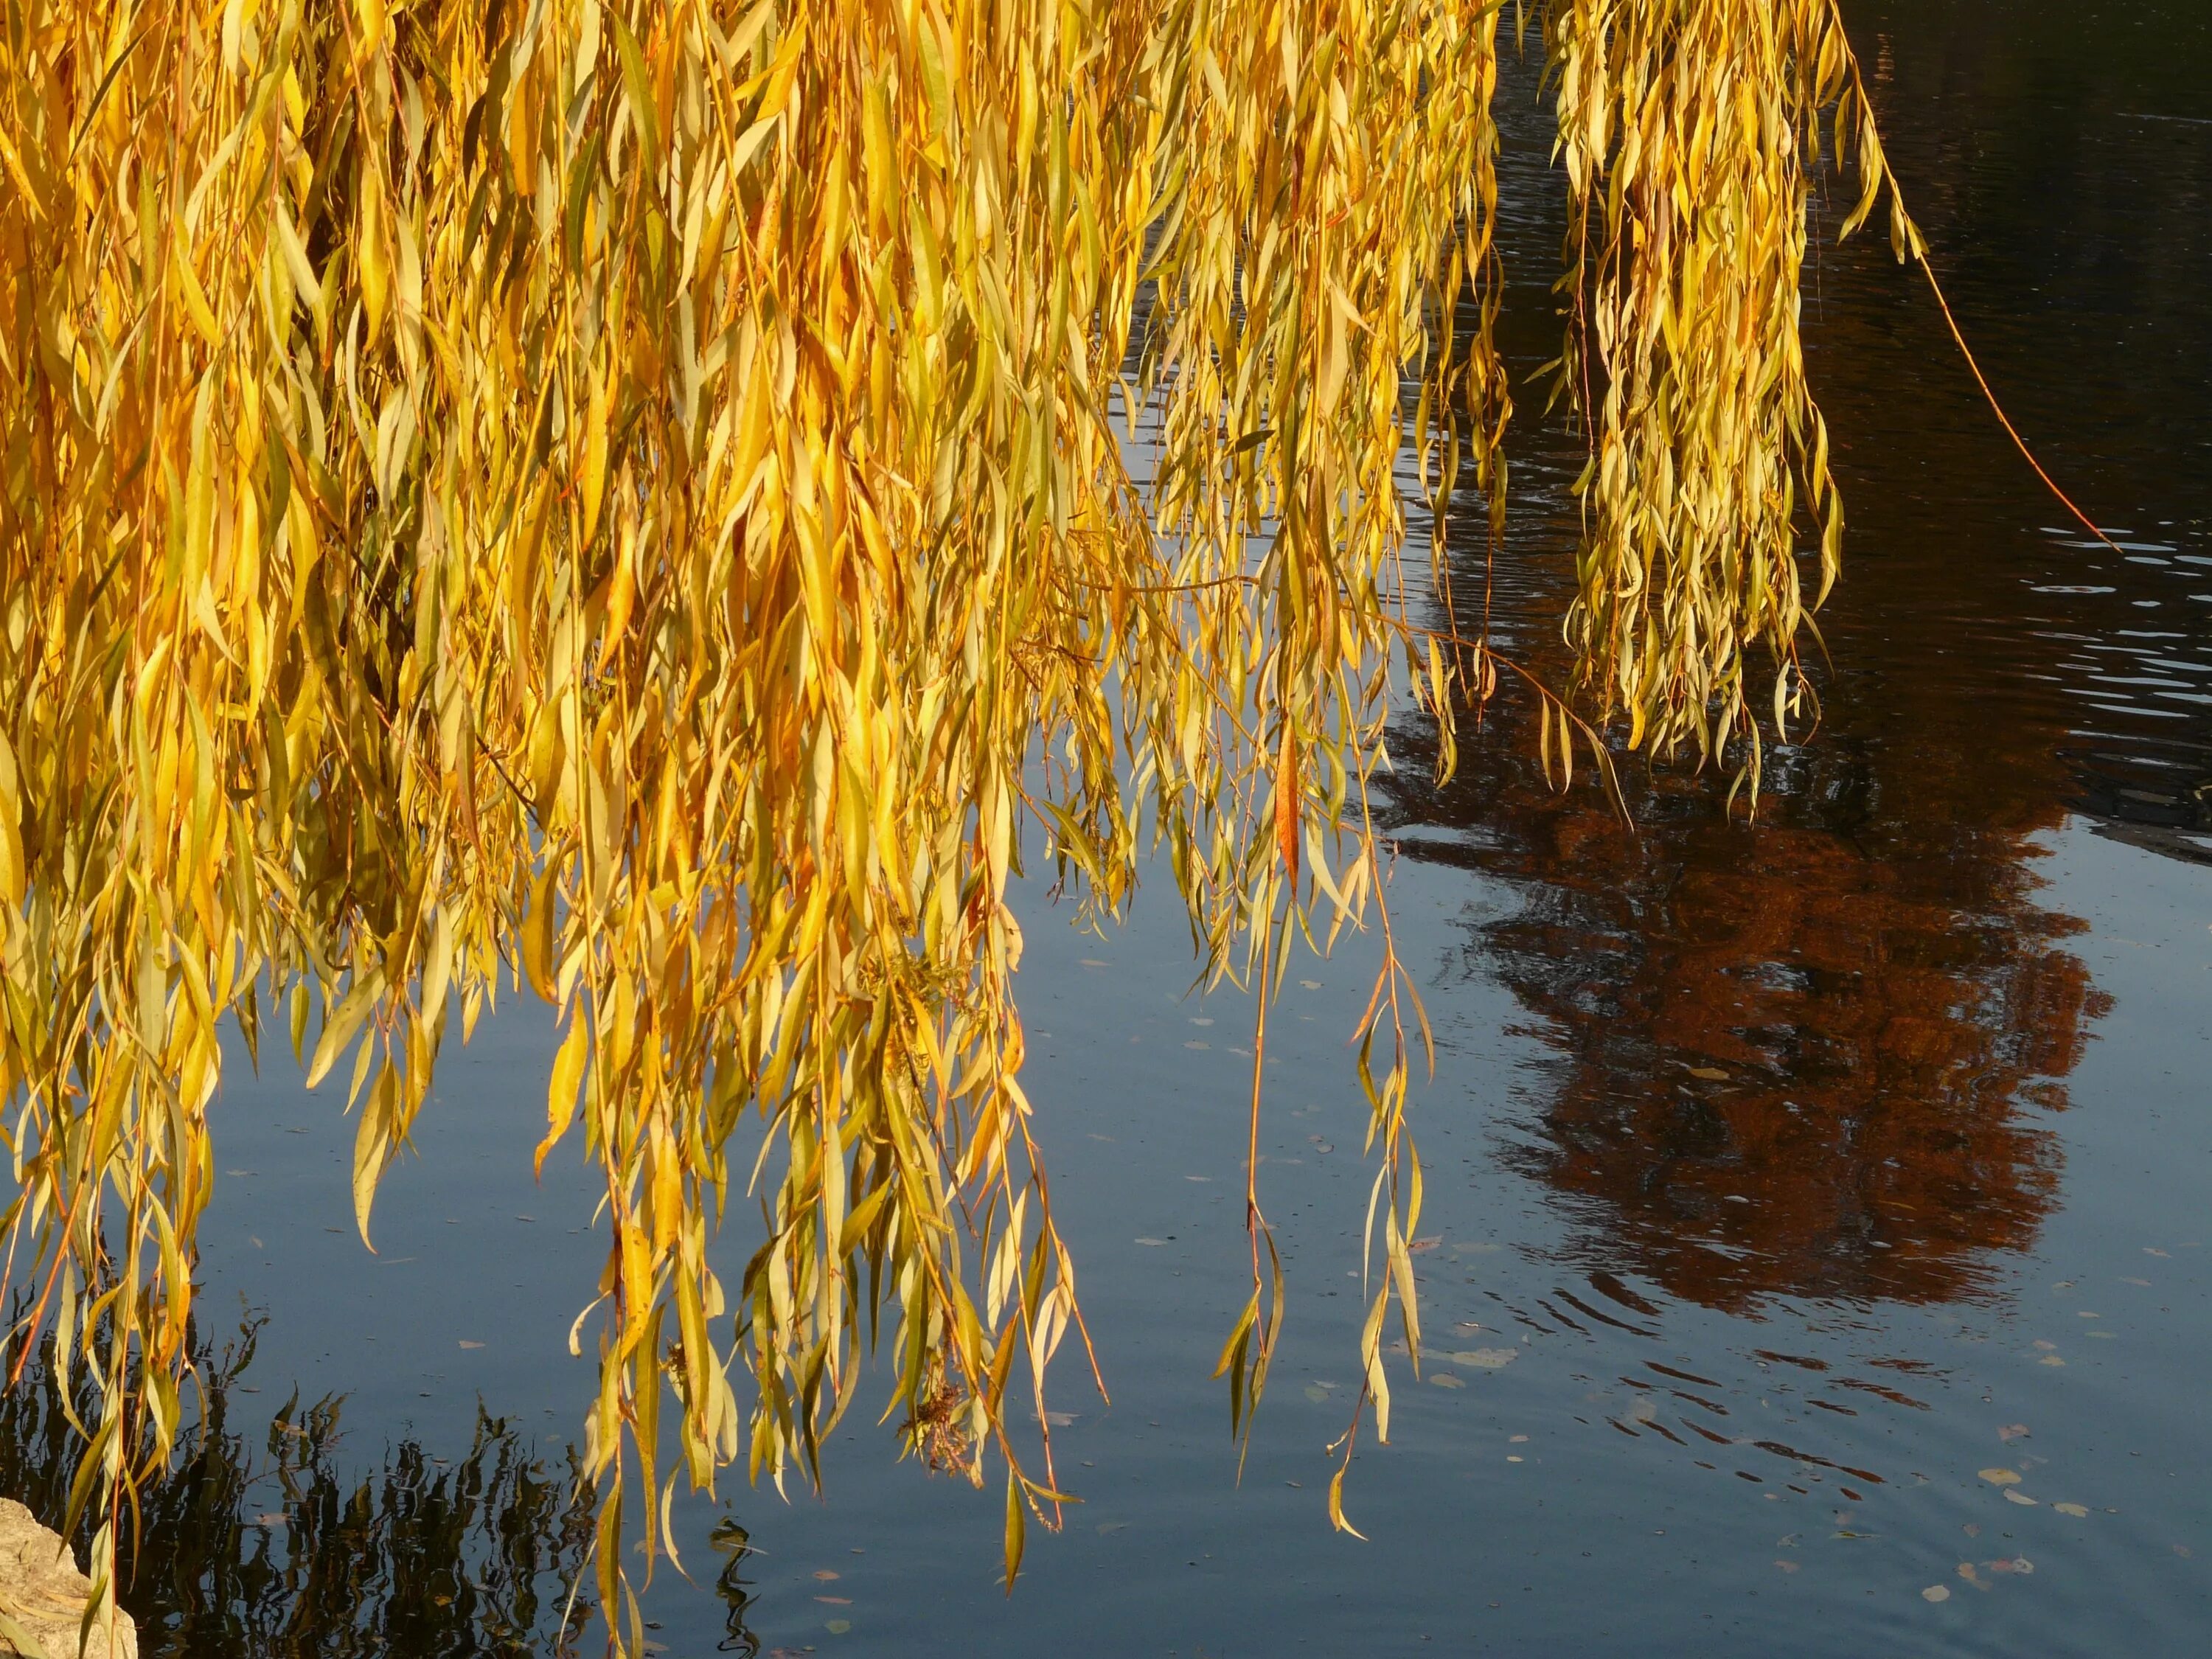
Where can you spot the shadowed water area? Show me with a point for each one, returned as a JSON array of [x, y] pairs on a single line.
[[1818, 1209]]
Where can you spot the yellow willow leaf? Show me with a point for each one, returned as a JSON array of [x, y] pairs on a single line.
[[296, 259], [1016, 1528], [592, 484], [561, 1093], [538, 933], [369, 253], [372, 1143], [12, 871], [622, 595], [15, 162], [635, 1282], [344, 1022], [195, 296]]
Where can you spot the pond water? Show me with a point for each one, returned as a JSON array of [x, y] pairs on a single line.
[[1820, 1211]]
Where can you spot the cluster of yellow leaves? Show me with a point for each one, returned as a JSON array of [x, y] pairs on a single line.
[[1690, 131], [628, 494]]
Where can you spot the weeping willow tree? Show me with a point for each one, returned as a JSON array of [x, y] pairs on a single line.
[[641, 499]]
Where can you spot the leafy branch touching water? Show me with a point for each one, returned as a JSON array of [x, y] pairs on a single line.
[[639, 498]]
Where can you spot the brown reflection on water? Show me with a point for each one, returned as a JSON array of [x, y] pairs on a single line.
[[1788, 1065]]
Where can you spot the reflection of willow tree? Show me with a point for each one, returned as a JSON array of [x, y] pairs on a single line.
[[288, 1550], [1843, 1038]]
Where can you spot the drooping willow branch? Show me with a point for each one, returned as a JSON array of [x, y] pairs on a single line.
[[615, 495]]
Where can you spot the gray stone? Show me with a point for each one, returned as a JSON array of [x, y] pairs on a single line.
[[42, 1595]]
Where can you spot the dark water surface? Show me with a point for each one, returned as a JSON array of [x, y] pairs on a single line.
[[1822, 1208]]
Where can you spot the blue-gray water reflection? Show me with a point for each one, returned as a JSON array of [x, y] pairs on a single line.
[[1791, 1187]]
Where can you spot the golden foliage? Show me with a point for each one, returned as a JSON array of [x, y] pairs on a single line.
[[628, 494], [1689, 129]]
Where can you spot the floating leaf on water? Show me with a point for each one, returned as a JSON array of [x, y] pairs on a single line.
[[838, 1627], [2013, 1495], [1419, 1245], [1153, 1243], [824, 1575], [2001, 1477], [2012, 1432], [2080, 1512], [467, 1344], [1315, 1393], [1709, 1073], [1446, 1380], [2051, 1360], [1489, 1360], [1937, 1593]]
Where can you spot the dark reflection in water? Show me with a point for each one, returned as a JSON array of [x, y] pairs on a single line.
[[297, 1547], [1789, 1064], [1815, 1056]]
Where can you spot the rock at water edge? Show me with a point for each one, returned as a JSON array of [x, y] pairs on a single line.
[[43, 1595]]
